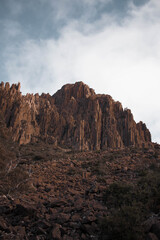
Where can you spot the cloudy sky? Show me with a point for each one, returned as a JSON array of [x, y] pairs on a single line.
[[111, 45]]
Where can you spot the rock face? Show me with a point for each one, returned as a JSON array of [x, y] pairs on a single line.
[[74, 116]]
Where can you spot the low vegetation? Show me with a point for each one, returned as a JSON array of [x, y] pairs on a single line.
[[130, 205]]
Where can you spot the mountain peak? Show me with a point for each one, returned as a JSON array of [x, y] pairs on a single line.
[[74, 116], [79, 90]]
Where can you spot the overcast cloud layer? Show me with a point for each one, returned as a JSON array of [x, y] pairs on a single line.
[[111, 45]]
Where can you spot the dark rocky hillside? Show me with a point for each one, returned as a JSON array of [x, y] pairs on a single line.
[[109, 194], [51, 189], [13, 177]]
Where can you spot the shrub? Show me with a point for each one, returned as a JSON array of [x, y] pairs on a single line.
[[129, 206], [123, 224], [119, 194], [149, 191]]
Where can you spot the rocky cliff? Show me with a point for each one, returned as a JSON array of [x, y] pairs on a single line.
[[74, 116]]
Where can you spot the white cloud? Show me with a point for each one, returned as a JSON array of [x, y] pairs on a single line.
[[122, 60]]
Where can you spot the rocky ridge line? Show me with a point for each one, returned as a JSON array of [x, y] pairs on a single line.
[[75, 116]]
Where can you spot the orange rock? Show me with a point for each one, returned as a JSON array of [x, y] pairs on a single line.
[[74, 116]]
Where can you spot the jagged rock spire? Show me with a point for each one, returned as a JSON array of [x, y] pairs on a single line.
[[74, 116]]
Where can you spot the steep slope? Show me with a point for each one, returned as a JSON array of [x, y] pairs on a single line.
[[74, 116], [13, 177], [84, 195]]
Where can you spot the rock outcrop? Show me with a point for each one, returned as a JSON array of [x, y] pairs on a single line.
[[74, 116]]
